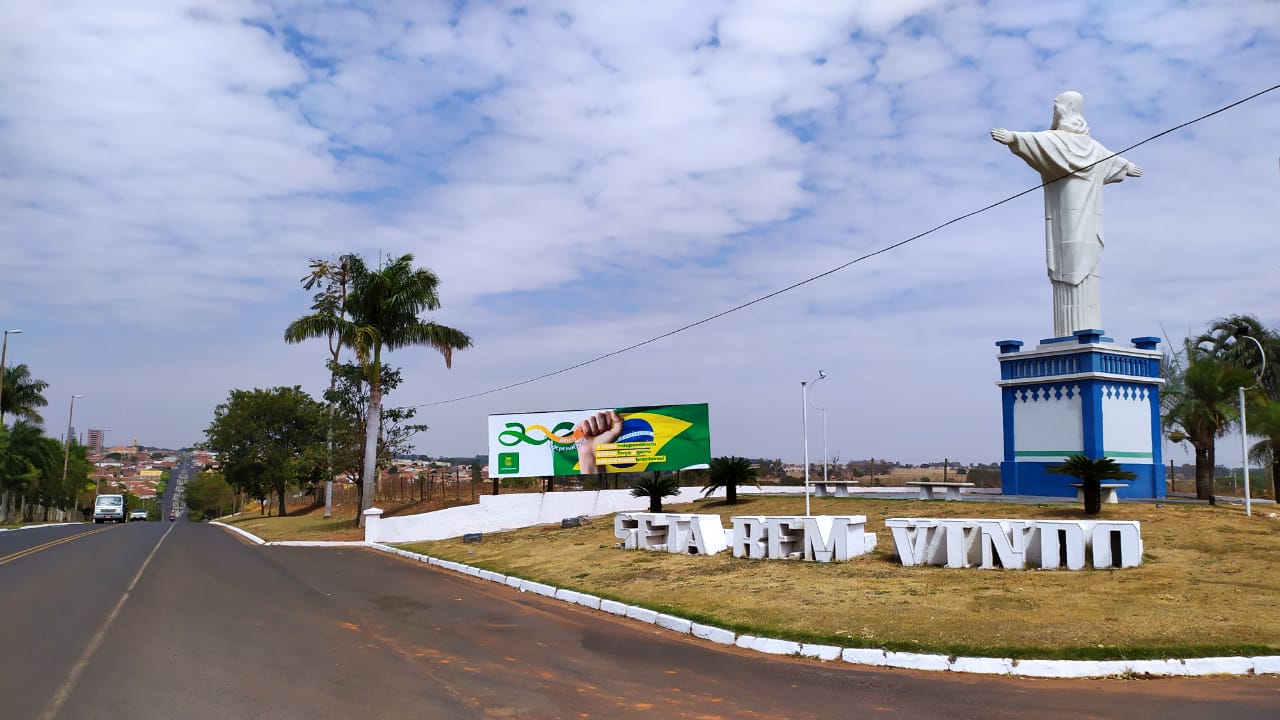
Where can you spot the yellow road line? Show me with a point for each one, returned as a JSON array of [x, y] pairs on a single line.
[[33, 550]]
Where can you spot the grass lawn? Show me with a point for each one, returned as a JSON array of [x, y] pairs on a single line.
[[1209, 584], [309, 526]]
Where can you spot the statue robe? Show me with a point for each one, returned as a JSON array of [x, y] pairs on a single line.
[[1073, 219]]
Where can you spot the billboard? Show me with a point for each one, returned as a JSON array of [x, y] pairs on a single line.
[[584, 442]]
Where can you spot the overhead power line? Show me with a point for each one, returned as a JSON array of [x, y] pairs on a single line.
[[838, 268]]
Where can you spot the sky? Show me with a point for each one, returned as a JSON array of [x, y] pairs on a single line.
[[584, 176]]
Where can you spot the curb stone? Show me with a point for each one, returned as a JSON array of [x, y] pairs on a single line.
[[871, 657]]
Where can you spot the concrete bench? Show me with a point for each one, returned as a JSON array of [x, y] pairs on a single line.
[[927, 487], [833, 488], [1109, 495]]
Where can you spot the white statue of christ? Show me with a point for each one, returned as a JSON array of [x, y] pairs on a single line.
[[1075, 166]]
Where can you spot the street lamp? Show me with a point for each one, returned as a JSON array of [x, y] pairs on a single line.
[[104, 457], [66, 457], [804, 393], [4, 349], [1244, 432], [825, 455]]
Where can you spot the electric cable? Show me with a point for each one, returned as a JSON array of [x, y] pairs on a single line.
[[838, 268]]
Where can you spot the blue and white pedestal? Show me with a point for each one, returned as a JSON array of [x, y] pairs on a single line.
[[1082, 394]]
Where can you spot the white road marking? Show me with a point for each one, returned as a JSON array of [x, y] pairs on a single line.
[[64, 690]]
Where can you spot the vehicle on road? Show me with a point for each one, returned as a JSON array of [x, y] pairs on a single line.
[[138, 514], [108, 508], [173, 515]]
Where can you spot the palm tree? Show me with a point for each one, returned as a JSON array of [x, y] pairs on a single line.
[[655, 487], [1237, 339], [1200, 405], [1264, 420], [1228, 340], [22, 394], [333, 278], [729, 473], [28, 462], [1091, 472], [382, 312]]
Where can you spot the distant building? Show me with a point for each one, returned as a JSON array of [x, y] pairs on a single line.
[[95, 440]]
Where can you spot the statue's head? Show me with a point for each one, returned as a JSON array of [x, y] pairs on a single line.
[[1068, 113]]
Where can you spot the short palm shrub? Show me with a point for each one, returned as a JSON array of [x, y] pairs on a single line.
[[1091, 472], [729, 473], [655, 487]]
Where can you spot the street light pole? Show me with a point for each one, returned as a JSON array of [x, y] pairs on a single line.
[[4, 350], [804, 393], [104, 456], [825, 455], [66, 457], [1244, 431]]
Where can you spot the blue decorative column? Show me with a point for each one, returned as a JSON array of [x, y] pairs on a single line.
[[1086, 395]]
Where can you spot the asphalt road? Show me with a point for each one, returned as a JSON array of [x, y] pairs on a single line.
[[183, 620]]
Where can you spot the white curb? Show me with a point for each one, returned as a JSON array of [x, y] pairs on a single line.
[[253, 538], [871, 657]]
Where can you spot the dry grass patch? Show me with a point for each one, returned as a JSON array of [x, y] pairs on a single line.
[[1208, 585], [311, 525]]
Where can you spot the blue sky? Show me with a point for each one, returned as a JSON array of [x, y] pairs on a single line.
[[585, 175]]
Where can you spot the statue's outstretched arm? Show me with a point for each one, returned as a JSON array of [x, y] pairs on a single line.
[[1002, 136]]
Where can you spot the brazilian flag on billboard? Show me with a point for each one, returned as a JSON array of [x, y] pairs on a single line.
[[584, 442]]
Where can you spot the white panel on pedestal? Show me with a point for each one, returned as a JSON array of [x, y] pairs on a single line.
[[1046, 425], [1126, 431]]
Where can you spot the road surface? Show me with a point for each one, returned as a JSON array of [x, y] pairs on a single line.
[[185, 620]]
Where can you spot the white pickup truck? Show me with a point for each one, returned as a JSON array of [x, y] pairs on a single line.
[[108, 508]]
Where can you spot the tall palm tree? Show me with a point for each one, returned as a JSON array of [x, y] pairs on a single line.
[[1200, 405], [1227, 340], [729, 473], [383, 310], [1243, 341], [333, 278], [1091, 472], [22, 394]]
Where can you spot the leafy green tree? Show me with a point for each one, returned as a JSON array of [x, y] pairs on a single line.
[[655, 487], [1091, 472], [729, 473], [22, 394], [269, 440], [383, 313], [208, 495], [1199, 402]]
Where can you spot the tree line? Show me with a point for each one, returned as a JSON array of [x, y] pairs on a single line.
[[41, 479]]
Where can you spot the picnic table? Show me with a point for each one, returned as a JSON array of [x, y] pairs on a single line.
[[1109, 495], [928, 486], [833, 488]]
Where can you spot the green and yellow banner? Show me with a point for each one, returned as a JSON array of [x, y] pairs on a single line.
[[584, 442]]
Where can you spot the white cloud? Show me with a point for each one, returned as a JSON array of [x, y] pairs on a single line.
[[584, 175]]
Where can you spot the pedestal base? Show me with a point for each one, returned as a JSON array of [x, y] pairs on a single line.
[[1080, 395]]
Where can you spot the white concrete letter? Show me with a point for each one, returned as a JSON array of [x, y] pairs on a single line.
[[749, 537], [1111, 535], [624, 528]]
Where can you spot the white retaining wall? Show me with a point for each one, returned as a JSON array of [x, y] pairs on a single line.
[[496, 513]]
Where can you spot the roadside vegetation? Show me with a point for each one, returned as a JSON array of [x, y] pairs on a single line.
[[33, 484]]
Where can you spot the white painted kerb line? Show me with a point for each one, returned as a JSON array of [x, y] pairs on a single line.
[[64, 690]]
